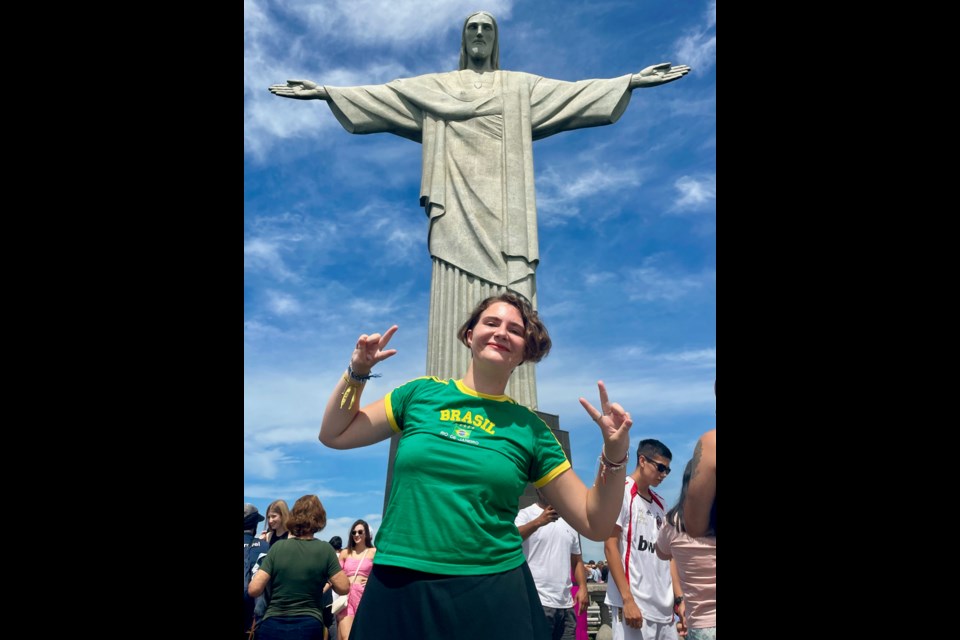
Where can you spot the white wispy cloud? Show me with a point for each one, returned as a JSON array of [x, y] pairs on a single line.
[[652, 281], [257, 27], [698, 47], [257, 330], [636, 351], [398, 23], [272, 243], [695, 192], [394, 229], [300, 487], [560, 193], [273, 402], [302, 342], [282, 303], [406, 243], [696, 357], [289, 435], [691, 106], [388, 231], [263, 463], [656, 392], [596, 277], [264, 255], [601, 179]]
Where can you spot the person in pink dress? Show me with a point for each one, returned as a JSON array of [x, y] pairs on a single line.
[[696, 561], [357, 561]]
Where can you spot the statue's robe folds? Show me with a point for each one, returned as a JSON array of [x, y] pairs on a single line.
[[477, 185]]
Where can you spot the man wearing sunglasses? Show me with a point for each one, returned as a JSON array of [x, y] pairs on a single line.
[[641, 598]]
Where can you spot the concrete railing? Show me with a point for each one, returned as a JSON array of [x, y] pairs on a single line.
[[600, 612]]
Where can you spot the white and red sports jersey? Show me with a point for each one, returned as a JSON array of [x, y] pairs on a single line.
[[649, 577]]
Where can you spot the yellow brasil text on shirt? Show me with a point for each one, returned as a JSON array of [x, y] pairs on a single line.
[[478, 420]]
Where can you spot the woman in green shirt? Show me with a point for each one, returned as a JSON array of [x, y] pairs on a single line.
[[293, 576], [465, 455]]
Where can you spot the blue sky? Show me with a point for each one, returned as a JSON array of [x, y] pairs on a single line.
[[335, 242]]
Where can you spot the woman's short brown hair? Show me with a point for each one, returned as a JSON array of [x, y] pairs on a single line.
[[537, 339], [307, 516]]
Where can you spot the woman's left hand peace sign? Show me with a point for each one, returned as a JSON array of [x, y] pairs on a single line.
[[614, 423]]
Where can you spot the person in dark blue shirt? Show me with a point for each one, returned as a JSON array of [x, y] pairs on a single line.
[[253, 549]]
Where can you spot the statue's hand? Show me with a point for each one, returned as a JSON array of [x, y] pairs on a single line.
[[299, 90], [657, 74]]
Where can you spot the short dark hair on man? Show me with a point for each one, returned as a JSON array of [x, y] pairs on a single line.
[[537, 340], [650, 447], [307, 516]]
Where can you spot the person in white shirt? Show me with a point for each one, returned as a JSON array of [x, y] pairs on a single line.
[[552, 548], [641, 596]]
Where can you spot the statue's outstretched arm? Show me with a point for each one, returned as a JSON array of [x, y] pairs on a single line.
[[300, 90], [656, 74]]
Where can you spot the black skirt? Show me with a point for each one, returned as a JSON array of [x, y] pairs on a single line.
[[402, 604]]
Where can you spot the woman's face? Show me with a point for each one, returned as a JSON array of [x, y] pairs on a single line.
[[273, 520], [358, 534], [499, 335]]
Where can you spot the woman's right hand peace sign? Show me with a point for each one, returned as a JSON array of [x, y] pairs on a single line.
[[370, 350]]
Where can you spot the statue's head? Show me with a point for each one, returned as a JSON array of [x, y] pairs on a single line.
[[479, 40]]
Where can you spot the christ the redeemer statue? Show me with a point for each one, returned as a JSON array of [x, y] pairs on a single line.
[[477, 127]]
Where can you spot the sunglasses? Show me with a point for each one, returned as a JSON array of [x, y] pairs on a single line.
[[358, 532], [661, 468]]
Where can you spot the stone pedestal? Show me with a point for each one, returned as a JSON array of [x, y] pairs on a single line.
[[454, 294]]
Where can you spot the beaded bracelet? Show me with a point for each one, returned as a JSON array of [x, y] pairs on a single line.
[[360, 378], [609, 465]]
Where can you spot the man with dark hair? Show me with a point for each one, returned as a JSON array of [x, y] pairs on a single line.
[[336, 543], [253, 549], [641, 598]]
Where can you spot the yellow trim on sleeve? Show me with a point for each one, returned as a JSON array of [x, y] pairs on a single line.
[[560, 468], [390, 417]]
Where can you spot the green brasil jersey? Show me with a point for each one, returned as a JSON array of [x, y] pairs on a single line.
[[462, 463]]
